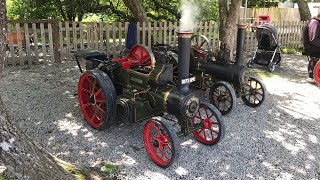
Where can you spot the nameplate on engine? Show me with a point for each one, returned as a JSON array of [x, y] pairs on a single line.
[[188, 81]]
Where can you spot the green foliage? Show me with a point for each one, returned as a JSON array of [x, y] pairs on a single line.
[[261, 4], [103, 10], [109, 169], [30, 9], [291, 51], [79, 175], [2, 178]]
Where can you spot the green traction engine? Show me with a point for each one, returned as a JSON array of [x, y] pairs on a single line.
[[138, 88]]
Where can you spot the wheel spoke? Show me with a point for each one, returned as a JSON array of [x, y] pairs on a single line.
[[98, 92], [100, 109], [164, 154], [214, 131], [93, 86], [85, 90], [206, 112], [202, 43]]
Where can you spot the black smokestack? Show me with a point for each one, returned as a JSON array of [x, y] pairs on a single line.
[[184, 46], [240, 42]]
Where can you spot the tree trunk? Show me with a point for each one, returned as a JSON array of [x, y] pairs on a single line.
[[304, 10], [228, 17], [23, 159], [3, 16], [136, 8]]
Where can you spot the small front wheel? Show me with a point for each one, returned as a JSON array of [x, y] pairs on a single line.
[[161, 142], [253, 92], [223, 97], [213, 129]]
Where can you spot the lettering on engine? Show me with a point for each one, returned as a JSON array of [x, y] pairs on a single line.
[[188, 81]]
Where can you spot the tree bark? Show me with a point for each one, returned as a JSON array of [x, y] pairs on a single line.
[[137, 10], [304, 10], [228, 17], [3, 20], [20, 158]]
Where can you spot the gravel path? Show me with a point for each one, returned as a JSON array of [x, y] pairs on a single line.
[[278, 140]]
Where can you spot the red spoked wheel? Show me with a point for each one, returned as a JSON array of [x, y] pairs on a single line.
[[161, 143], [213, 129], [316, 73], [201, 45], [223, 97], [253, 92], [141, 55], [97, 97]]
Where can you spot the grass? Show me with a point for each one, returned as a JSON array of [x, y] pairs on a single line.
[[79, 175], [291, 51], [109, 169], [2, 178], [262, 74]]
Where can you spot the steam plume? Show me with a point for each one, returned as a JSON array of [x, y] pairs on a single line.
[[190, 11]]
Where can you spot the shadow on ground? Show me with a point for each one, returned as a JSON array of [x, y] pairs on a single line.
[[279, 139]]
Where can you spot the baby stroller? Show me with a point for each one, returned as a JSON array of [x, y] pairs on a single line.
[[268, 52]]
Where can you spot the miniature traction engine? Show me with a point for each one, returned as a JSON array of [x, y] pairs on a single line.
[[138, 88]]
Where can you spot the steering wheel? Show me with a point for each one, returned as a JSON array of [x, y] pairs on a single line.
[[141, 55]]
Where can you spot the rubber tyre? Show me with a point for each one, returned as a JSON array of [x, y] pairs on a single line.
[[230, 93], [316, 73], [208, 125], [271, 67], [249, 63], [167, 135], [250, 93], [107, 99]]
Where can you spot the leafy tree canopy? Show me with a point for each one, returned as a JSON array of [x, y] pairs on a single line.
[[106, 10]]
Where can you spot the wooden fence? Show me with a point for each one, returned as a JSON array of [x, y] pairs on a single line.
[[53, 41]]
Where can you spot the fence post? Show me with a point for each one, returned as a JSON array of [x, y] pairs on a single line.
[[55, 36]]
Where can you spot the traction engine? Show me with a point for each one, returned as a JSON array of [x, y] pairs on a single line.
[[138, 88], [217, 76]]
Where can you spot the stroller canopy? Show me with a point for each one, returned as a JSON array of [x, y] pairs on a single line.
[[266, 35]]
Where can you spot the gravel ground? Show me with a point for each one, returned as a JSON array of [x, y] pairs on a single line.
[[278, 140]]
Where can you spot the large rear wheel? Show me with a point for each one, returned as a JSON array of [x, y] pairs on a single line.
[[97, 98], [213, 129], [161, 142], [316, 73]]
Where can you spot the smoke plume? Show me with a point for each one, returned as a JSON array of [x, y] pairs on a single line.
[[190, 11]]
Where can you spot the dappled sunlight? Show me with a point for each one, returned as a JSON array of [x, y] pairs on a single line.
[[277, 140], [181, 171], [289, 136]]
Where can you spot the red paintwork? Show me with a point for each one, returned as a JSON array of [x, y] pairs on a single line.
[[197, 53], [152, 133], [208, 122], [138, 56], [88, 88], [316, 73]]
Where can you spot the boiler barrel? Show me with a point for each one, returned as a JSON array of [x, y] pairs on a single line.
[[226, 72]]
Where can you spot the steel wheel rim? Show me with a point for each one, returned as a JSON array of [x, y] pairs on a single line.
[[210, 127], [254, 92], [317, 73], [199, 46], [158, 145], [221, 97], [92, 100]]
